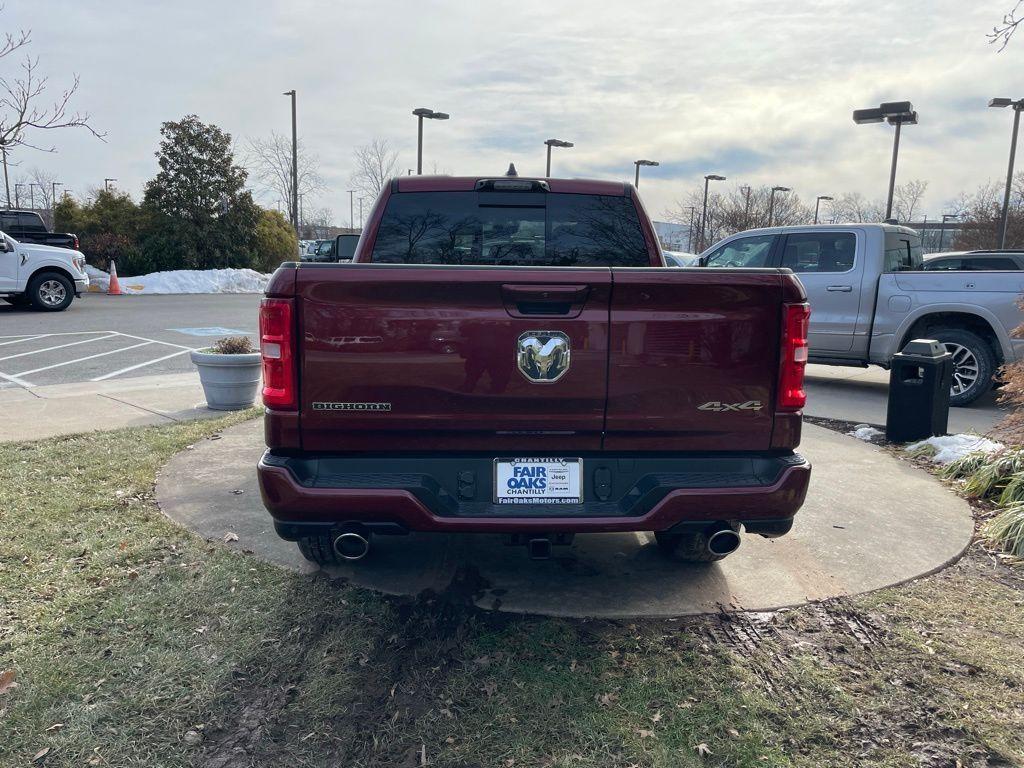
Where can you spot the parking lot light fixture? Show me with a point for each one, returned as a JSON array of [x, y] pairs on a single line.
[[771, 202], [554, 143], [704, 208], [106, 184], [429, 114], [897, 114], [817, 202], [638, 163], [942, 230], [1018, 107]]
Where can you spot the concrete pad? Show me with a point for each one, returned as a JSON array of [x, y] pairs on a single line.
[[869, 521], [64, 409]]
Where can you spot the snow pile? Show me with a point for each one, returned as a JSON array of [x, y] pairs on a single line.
[[949, 448], [98, 279], [865, 432], [186, 281]]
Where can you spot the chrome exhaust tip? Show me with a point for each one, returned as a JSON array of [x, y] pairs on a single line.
[[351, 546], [723, 541]]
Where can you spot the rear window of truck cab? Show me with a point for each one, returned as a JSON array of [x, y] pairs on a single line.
[[530, 229]]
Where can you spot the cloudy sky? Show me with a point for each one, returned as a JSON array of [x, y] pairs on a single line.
[[760, 92]]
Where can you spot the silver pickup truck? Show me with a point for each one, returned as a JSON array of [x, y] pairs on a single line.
[[869, 297]]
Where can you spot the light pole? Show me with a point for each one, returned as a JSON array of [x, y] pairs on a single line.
[[638, 163], [1018, 107], [746, 207], [942, 230], [294, 202], [704, 208], [7, 182], [817, 202], [554, 143], [897, 113], [106, 184], [771, 203], [360, 214], [351, 209], [423, 112], [31, 196], [689, 232], [17, 196]]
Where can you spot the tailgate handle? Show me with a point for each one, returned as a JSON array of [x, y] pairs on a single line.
[[839, 288], [551, 300]]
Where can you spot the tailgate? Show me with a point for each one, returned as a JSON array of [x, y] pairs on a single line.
[[452, 358], [694, 359]]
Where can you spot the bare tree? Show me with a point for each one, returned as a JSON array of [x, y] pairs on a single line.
[[744, 207], [907, 198], [375, 163], [853, 207], [1003, 31], [40, 185], [270, 162], [23, 112]]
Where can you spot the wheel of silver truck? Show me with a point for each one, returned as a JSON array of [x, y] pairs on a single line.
[[698, 546], [51, 292], [974, 364], [318, 549]]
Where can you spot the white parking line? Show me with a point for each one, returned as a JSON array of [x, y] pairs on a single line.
[[26, 338], [83, 359], [62, 333], [16, 380], [141, 365], [159, 341], [59, 346]]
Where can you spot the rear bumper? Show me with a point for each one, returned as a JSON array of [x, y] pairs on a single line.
[[454, 494]]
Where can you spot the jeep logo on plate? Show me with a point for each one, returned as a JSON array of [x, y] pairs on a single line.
[[543, 356]]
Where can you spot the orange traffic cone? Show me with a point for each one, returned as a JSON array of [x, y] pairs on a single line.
[[114, 288]]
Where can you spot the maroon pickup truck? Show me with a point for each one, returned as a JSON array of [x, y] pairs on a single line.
[[510, 355]]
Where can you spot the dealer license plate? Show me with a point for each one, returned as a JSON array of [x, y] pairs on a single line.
[[538, 481]]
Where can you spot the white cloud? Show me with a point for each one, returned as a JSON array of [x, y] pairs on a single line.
[[759, 91]]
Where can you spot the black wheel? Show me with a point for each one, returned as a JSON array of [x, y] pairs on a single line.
[[51, 292], [318, 549], [974, 364], [686, 547]]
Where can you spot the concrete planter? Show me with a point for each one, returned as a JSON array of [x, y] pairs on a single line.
[[230, 382]]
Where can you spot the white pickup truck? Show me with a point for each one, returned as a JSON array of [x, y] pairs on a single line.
[[42, 276], [869, 297]]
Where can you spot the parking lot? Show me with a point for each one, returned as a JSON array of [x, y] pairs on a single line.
[[102, 338]]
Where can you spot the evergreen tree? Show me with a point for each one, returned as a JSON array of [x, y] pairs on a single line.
[[199, 214]]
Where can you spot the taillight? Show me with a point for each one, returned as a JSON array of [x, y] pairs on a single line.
[[795, 319], [77, 247], [277, 338]]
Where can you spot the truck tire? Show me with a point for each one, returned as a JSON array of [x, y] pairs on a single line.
[[318, 549], [974, 361], [686, 547], [51, 292]]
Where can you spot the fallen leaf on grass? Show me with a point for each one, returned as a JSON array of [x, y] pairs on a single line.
[[702, 749], [229, 537], [607, 699], [41, 755], [644, 734], [734, 733], [656, 717], [7, 681], [55, 727]]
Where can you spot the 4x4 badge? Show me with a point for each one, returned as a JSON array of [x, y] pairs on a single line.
[[714, 405]]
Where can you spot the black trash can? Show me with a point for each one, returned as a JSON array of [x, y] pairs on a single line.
[[919, 382]]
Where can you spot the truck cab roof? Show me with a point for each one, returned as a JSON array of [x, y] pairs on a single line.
[[469, 183]]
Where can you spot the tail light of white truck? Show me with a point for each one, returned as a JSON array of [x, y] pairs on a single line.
[[795, 319], [277, 347]]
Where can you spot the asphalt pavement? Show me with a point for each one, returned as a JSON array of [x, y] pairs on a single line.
[[102, 338]]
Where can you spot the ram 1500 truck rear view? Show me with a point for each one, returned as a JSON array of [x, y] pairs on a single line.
[[511, 356]]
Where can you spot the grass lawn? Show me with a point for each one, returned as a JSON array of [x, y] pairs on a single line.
[[126, 641]]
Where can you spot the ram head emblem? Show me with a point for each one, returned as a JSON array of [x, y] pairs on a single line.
[[543, 356]]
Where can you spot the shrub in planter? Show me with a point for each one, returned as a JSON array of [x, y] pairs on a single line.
[[229, 372]]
